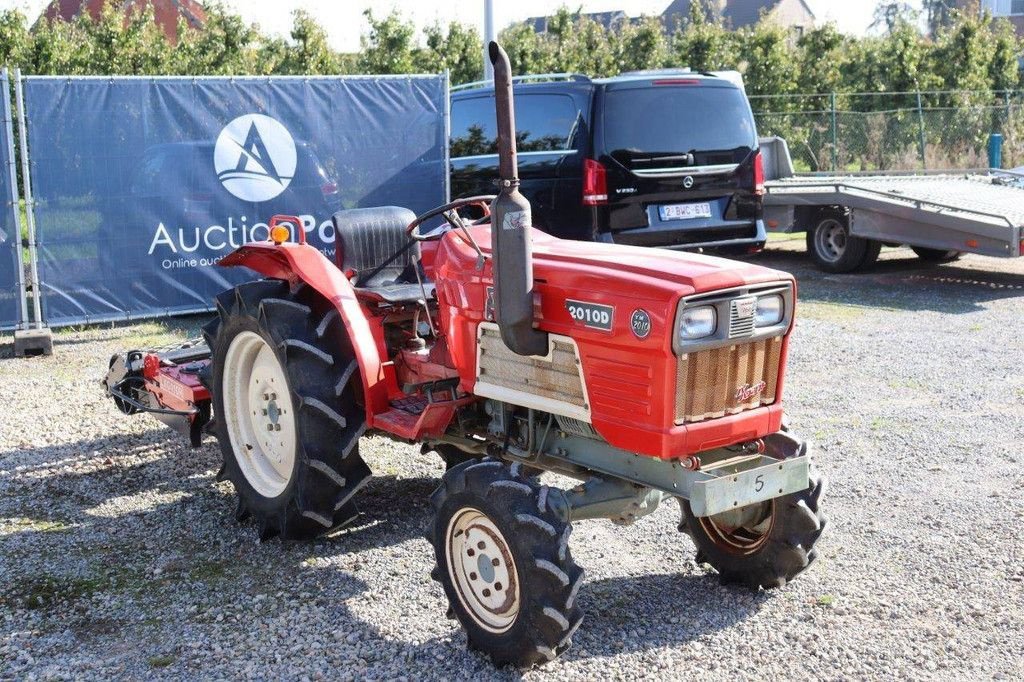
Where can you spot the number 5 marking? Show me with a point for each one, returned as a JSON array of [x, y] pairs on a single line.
[[759, 483]]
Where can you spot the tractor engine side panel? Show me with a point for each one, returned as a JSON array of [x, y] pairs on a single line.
[[630, 378]]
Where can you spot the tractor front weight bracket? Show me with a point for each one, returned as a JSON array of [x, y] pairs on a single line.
[[624, 486]]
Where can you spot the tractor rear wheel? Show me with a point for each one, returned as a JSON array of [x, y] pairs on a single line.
[[503, 560], [285, 389], [761, 545]]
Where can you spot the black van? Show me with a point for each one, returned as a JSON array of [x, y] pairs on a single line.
[[654, 158]]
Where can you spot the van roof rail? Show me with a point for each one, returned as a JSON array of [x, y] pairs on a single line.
[[528, 78], [660, 72]]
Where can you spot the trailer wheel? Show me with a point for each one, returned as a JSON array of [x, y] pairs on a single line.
[[285, 389], [761, 545], [503, 560], [833, 248], [936, 256]]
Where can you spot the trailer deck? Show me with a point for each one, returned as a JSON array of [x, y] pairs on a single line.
[[973, 211]]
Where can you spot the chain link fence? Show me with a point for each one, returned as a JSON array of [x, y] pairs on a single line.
[[937, 130]]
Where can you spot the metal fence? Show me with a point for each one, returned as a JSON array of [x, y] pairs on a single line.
[[933, 130], [12, 286]]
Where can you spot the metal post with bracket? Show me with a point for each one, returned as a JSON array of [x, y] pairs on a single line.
[[37, 338]]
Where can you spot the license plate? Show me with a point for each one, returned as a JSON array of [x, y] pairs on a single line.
[[684, 211]]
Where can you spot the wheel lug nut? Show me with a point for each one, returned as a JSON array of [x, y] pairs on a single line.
[[487, 593], [494, 562], [266, 396], [497, 586], [277, 427], [264, 412], [472, 576], [470, 552], [270, 427], [273, 396], [480, 545]]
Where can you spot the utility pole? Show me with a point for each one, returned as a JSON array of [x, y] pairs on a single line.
[[488, 37]]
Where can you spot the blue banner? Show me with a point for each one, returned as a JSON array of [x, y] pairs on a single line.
[[142, 184], [10, 240]]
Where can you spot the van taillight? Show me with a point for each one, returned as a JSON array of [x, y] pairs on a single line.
[[758, 175], [595, 183]]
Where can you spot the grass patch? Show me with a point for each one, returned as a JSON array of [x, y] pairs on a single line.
[[775, 237], [40, 592], [880, 424], [206, 570], [27, 525], [826, 600], [161, 661]]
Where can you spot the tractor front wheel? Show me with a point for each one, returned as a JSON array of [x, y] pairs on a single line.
[[761, 545], [285, 389], [504, 563]]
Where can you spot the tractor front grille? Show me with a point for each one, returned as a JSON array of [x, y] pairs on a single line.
[[719, 381]]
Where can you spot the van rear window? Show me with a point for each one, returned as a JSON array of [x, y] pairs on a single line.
[[544, 123], [712, 123]]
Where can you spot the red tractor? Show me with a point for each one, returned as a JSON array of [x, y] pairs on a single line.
[[644, 374]]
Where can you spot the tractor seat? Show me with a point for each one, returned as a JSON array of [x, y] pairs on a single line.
[[369, 238]]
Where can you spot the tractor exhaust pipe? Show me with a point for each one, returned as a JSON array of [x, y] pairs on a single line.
[[510, 228]]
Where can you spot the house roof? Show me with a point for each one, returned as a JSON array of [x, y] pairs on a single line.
[[740, 13], [166, 12], [608, 20], [736, 13]]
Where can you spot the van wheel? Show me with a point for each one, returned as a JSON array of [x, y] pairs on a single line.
[[936, 256], [833, 248]]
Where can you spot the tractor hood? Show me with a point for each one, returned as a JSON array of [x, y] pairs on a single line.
[[696, 273]]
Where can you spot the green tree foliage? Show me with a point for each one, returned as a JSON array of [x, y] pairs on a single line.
[[640, 45], [704, 44], [963, 51], [456, 48], [388, 47]]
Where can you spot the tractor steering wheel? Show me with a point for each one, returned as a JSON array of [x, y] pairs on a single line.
[[482, 200]]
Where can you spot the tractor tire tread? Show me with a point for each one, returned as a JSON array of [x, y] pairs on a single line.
[[549, 577], [318, 362]]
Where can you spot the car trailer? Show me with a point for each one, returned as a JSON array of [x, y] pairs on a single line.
[[848, 218]]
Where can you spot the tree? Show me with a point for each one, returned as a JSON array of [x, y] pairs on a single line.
[[458, 49], [888, 15], [704, 44], [939, 14], [15, 39], [389, 45], [823, 54], [311, 53], [527, 53], [640, 45]]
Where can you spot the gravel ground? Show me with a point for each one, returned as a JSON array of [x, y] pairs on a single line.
[[120, 556]]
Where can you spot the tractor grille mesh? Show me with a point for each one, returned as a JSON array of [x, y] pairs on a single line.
[[719, 381]]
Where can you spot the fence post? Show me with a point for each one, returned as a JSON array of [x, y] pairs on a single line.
[[920, 119], [835, 136], [8, 123], [37, 340]]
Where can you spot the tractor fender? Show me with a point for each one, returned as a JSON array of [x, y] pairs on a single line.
[[301, 263]]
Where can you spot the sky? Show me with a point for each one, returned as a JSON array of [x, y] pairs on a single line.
[[344, 21]]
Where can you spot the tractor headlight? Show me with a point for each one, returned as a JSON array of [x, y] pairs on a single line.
[[696, 323], [769, 310]]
